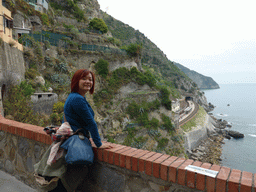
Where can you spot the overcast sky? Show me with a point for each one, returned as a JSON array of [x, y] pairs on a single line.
[[215, 38]]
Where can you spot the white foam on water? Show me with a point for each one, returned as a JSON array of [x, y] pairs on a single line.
[[222, 115], [252, 135]]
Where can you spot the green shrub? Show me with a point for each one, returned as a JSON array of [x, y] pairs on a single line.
[[45, 19], [31, 73], [61, 79], [162, 143], [167, 123], [98, 24], [139, 112], [134, 49], [61, 67], [18, 105], [165, 93], [139, 142], [154, 123], [114, 41], [58, 107], [102, 67], [71, 7], [74, 32], [130, 137], [120, 77], [55, 119], [154, 105], [38, 51], [68, 27], [78, 13], [177, 138], [143, 119], [110, 139], [27, 88], [133, 110], [56, 6]]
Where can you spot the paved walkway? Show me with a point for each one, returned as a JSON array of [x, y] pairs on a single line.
[[9, 183]]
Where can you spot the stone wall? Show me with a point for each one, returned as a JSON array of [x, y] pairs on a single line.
[[12, 65], [1, 104], [43, 102], [194, 137], [121, 168]]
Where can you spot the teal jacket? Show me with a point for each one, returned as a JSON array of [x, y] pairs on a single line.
[[79, 114]]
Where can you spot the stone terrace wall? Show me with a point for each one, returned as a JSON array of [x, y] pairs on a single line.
[[119, 169], [43, 102], [12, 65]]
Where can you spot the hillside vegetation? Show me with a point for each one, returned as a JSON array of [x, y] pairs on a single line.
[[135, 81]]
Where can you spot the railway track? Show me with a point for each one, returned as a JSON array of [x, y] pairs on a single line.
[[191, 115]]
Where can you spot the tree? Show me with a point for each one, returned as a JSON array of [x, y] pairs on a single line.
[[98, 24], [134, 49]]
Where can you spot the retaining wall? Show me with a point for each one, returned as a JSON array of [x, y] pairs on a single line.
[[12, 65], [194, 137], [119, 169]]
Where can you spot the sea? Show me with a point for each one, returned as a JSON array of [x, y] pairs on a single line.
[[236, 103]]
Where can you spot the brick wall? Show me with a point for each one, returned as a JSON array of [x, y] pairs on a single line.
[[155, 171]]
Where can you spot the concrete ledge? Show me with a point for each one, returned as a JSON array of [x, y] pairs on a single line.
[[159, 171]]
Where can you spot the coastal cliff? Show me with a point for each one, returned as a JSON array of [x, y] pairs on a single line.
[[135, 83], [203, 82]]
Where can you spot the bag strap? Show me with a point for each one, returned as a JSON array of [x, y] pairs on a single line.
[[65, 120], [78, 130]]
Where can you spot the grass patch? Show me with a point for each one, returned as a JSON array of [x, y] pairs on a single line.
[[198, 120]]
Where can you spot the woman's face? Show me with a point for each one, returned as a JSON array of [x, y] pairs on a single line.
[[85, 84]]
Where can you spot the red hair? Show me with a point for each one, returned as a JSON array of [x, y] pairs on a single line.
[[79, 74]]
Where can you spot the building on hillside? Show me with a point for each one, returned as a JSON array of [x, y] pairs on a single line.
[[175, 105], [39, 5], [20, 30], [6, 26]]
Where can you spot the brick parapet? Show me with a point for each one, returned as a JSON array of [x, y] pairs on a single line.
[[157, 165]]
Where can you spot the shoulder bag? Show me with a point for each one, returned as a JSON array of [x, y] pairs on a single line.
[[79, 149]]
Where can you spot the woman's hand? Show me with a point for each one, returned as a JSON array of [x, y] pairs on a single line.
[[106, 146]]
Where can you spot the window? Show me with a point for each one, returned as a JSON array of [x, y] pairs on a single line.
[[9, 23], [4, 23], [4, 3]]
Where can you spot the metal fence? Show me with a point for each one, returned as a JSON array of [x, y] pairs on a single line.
[[54, 39], [60, 40], [85, 30]]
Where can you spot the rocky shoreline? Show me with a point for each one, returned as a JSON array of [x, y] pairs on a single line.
[[210, 149]]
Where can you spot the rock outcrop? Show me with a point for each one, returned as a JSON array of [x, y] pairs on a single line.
[[234, 134]]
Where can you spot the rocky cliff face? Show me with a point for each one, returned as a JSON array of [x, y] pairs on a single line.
[[12, 66], [202, 81], [154, 57]]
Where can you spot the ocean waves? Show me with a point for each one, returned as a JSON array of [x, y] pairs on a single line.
[[222, 115]]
